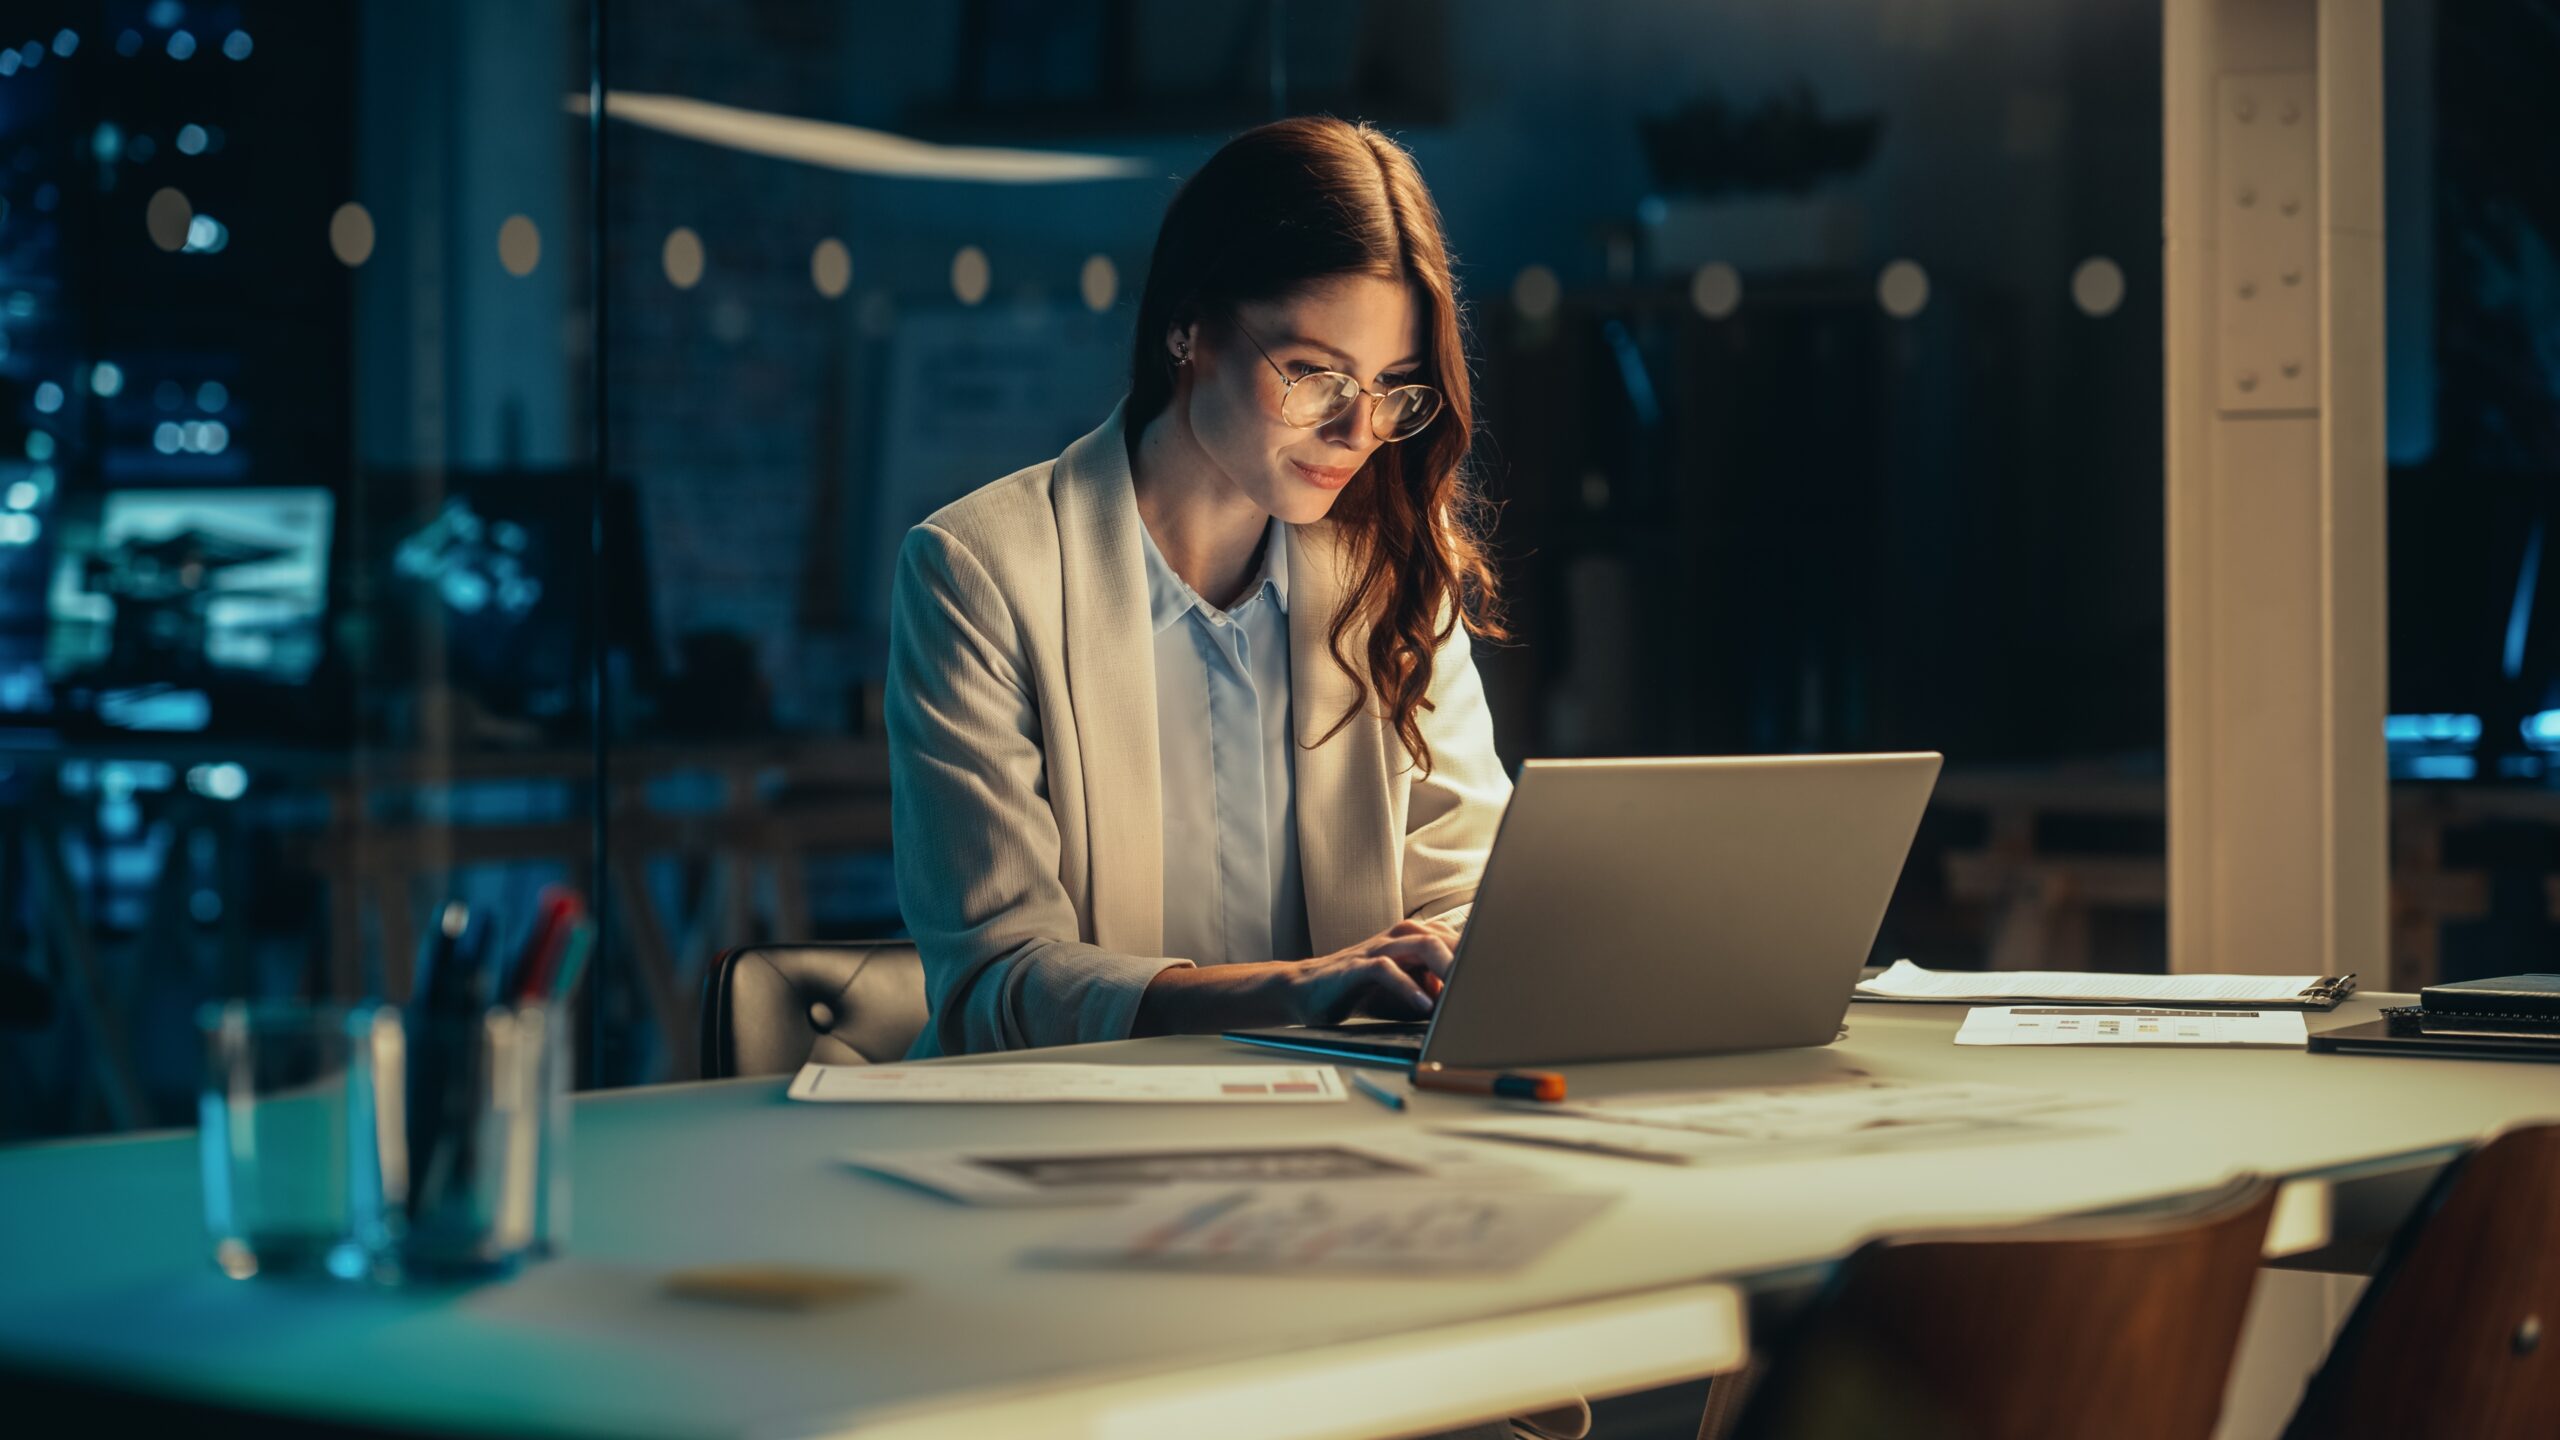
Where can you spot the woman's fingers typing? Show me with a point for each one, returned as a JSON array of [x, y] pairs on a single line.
[[1442, 929], [1397, 973], [1430, 954], [1385, 989]]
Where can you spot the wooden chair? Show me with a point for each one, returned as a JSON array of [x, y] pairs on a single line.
[[2454, 1336], [2093, 1329]]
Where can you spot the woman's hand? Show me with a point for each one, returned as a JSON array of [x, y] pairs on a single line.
[[1396, 974]]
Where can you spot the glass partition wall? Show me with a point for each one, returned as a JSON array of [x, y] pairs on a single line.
[[422, 487], [297, 451], [1817, 353], [2474, 435]]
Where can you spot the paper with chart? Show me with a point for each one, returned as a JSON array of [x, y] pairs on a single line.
[[1384, 1228], [1086, 1174], [1774, 1122], [2130, 1025], [1905, 981], [1010, 1084]]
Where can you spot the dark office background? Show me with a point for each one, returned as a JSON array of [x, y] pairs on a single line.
[[410, 489]]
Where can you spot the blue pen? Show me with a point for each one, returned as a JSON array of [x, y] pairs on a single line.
[[573, 962], [1376, 1091]]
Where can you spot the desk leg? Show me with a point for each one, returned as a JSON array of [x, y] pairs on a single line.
[[655, 961], [237, 965], [111, 1053], [1726, 1395]]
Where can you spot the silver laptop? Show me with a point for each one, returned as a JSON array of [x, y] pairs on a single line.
[[1635, 909]]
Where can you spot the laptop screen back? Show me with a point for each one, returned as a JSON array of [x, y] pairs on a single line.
[[1642, 908]]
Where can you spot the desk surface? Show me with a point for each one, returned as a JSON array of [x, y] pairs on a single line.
[[103, 1270]]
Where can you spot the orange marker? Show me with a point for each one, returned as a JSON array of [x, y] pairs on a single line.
[[1509, 1084]]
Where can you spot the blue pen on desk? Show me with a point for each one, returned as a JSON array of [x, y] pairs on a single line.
[[1376, 1091]]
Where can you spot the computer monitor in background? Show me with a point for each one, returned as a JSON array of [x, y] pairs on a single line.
[[299, 616], [169, 601]]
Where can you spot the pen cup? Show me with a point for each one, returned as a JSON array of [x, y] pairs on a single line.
[[297, 1101], [486, 1142]]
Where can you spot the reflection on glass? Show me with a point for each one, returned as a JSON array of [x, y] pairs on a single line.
[[682, 258], [343, 548], [519, 245]]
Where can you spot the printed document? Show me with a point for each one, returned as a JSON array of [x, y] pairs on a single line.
[[1005, 1084], [1688, 1127], [1384, 1227], [1086, 1174], [2130, 1025], [1906, 981]]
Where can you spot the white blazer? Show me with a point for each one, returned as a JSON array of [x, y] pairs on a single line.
[[1025, 787]]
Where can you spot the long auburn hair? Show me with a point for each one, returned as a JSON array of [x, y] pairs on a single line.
[[1282, 206]]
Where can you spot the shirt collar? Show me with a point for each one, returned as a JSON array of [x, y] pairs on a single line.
[[1169, 598]]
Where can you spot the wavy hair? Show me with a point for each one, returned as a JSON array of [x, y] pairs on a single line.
[[1283, 206]]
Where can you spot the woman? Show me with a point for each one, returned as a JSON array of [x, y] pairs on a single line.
[[1183, 729]]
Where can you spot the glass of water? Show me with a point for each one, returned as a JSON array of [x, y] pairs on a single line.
[[292, 1118]]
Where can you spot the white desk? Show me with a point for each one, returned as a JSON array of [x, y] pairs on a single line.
[[102, 1269]]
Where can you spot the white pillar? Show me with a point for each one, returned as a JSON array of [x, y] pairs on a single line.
[[2272, 219]]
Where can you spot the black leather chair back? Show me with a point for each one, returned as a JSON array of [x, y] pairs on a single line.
[[769, 1009]]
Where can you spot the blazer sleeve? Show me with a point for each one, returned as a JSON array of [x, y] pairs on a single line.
[[1450, 815], [975, 843]]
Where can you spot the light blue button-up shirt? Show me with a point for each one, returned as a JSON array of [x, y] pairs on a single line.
[[1232, 890]]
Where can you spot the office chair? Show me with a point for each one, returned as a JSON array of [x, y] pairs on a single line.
[[2091, 1328], [769, 1009], [2459, 1331]]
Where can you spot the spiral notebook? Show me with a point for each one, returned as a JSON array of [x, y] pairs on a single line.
[[1911, 984]]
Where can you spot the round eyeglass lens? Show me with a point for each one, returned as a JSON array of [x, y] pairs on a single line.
[[1405, 411], [1319, 397]]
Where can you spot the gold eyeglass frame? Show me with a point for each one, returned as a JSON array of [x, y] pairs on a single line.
[[1289, 383]]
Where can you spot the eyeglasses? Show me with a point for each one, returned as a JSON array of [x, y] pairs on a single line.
[[1320, 396]]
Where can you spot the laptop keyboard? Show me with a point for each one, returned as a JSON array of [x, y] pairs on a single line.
[[1373, 1030]]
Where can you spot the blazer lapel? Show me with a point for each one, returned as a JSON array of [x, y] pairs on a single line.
[[1111, 682], [1347, 850]]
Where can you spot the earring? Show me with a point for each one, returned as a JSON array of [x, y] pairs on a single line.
[[1181, 355]]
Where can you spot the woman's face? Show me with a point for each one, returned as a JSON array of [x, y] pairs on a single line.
[[1363, 325]]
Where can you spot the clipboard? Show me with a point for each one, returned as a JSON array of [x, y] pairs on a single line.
[[2074, 988]]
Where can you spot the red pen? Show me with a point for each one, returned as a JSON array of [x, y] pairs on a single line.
[[539, 967], [1508, 1084]]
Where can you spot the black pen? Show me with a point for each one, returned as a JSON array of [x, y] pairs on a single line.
[[438, 974], [1376, 1091]]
